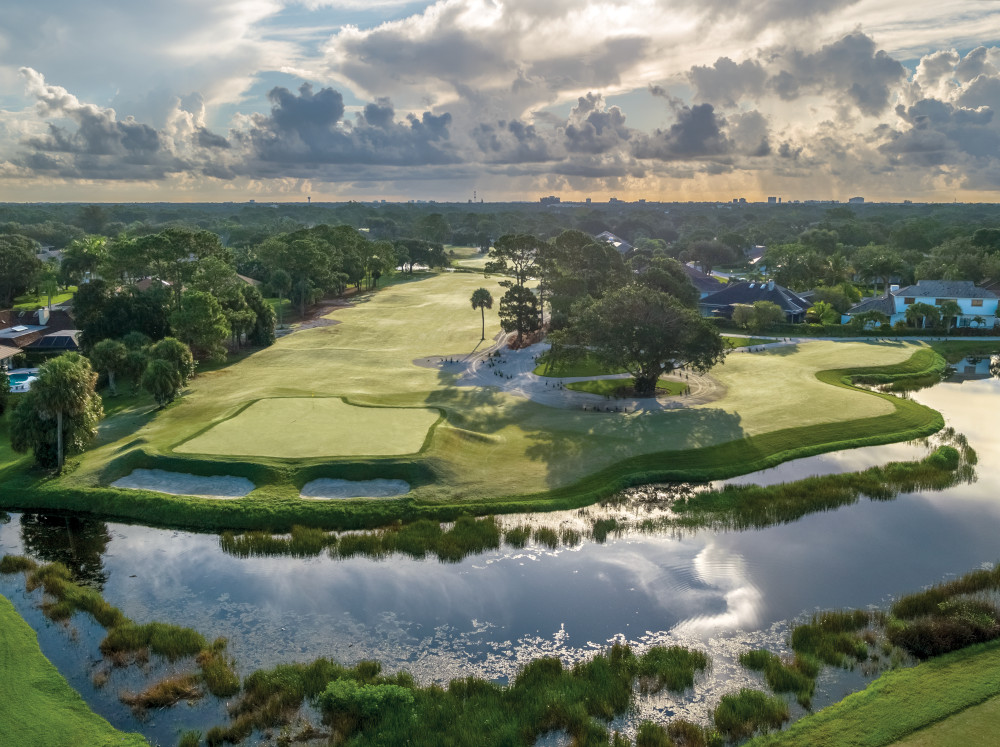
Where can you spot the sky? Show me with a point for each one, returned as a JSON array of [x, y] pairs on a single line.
[[672, 100]]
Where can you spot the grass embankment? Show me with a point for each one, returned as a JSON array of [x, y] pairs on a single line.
[[902, 702], [128, 641], [38, 708], [363, 707], [955, 624], [492, 452], [738, 507]]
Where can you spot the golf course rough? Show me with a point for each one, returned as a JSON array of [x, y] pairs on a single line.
[[347, 402]]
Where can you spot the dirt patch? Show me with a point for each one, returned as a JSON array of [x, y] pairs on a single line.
[[225, 487], [315, 316]]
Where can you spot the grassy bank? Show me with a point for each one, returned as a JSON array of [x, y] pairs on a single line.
[[127, 641], [900, 703], [38, 708]]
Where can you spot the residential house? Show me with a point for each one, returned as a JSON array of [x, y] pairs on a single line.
[[623, 247], [7, 353], [721, 302], [978, 305], [705, 284]]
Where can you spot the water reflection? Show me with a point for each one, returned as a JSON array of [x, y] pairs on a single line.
[[78, 543], [491, 613]]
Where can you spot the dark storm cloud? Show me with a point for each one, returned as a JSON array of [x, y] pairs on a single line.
[[309, 128], [512, 142], [941, 133], [593, 129], [697, 133], [207, 139]]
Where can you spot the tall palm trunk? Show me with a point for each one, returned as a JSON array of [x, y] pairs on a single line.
[[482, 313]]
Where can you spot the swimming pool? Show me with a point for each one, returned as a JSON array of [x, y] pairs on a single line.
[[22, 377]]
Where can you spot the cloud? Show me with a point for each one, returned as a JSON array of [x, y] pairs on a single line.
[[698, 132], [726, 82], [309, 129]]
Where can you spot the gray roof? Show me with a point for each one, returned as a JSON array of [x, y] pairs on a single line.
[[749, 293], [885, 304], [945, 289], [704, 283], [618, 243]]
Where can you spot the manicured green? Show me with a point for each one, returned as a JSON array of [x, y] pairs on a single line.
[[901, 702], [622, 387], [298, 427], [38, 708]]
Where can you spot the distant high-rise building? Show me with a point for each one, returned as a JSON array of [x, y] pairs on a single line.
[[550, 200], [856, 201], [588, 200]]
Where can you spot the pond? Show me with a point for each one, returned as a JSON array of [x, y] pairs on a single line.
[[487, 615]]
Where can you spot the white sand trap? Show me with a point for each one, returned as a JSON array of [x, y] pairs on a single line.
[[180, 483], [327, 489]]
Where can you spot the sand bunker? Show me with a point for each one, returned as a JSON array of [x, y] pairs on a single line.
[[327, 489], [179, 483]]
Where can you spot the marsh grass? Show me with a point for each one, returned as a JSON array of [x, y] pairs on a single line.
[[517, 536], [190, 739], [673, 668], [365, 707], [756, 506], [165, 693], [797, 676], [547, 536], [570, 537], [126, 641], [603, 527], [303, 542], [743, 714]]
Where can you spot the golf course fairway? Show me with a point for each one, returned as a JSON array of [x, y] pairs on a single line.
[[357, 400]]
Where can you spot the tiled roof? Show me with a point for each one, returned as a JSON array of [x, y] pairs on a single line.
[[6, 351], [945, 289], [749, 293]]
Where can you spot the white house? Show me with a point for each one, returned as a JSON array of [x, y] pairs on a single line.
[[978, 305]]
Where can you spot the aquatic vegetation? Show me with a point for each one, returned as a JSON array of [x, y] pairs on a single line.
[[672, 668], [367, 708], [165, 693], [547, 536], [303, 542], [127, 641], [741, 715], [517, 536], [798, 676]]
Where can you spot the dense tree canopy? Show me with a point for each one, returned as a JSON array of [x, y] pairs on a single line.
[[18, 266], [646, 332]]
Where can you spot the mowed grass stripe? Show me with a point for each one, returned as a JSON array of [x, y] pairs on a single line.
[[38, 708]]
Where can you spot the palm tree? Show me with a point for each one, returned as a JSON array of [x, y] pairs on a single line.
[[949, 310], [482, 300]]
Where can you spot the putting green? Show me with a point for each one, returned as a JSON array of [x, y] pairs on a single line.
[[303, 427]]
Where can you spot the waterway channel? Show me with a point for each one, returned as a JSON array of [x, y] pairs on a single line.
[[487, 615]]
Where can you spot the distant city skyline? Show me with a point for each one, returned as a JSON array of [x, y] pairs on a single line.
[[667, 101]]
